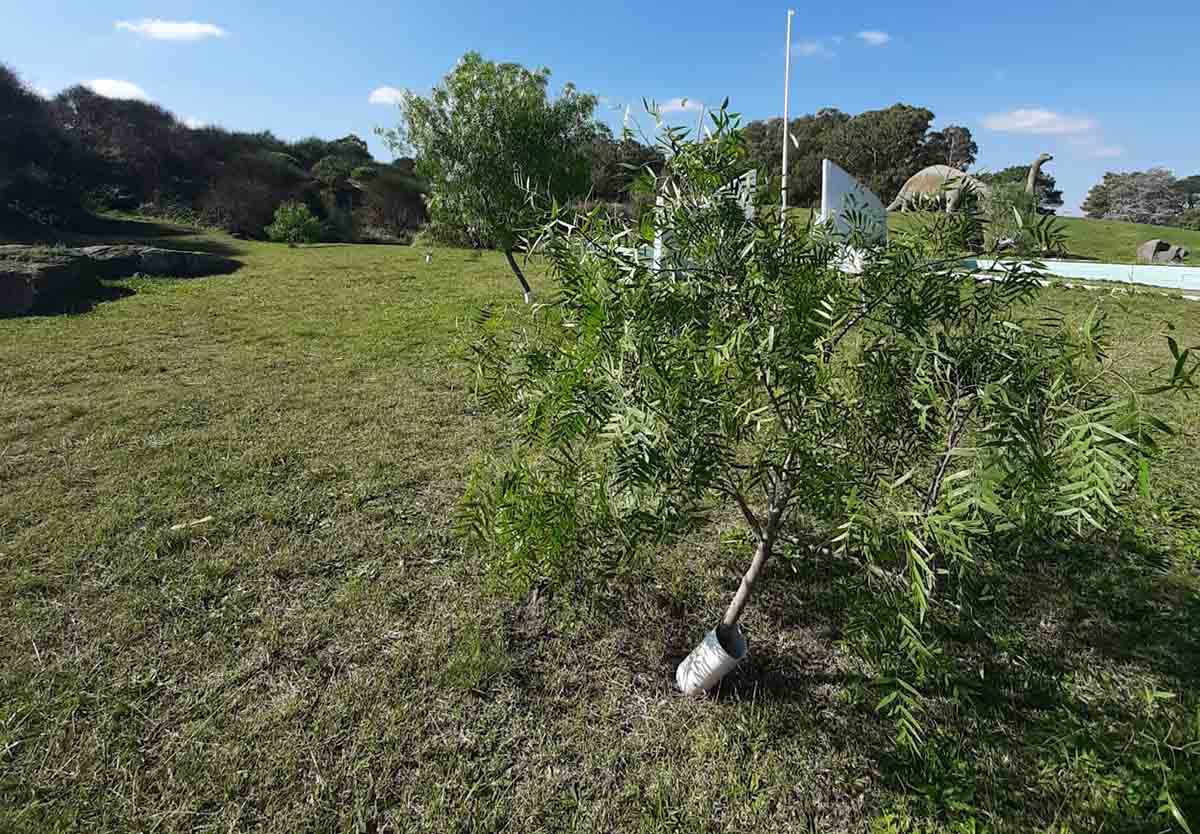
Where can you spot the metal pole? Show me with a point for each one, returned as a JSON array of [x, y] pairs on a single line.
[[787, 73]]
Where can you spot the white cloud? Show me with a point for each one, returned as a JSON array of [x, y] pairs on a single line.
[[873, 37], [810, 49], [112, 88], [194, 123], [386, 95], [1094, 147], [44, 92], [1038, 121], [171, 30], [679, 105]]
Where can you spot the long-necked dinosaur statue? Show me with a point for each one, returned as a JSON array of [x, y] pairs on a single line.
[[1034, 170], [937, 181]]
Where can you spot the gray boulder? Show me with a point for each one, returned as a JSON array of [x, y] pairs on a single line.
[[120, 260], [33, 276], [1160, 251]]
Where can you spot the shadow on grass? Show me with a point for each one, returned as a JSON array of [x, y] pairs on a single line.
[[95, 230], [1046, 713], [81, 300]]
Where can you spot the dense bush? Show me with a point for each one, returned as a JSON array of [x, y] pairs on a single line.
[[392, 203], [84, 151], [42, 168], [1016, 223], [294, 223], [1190, 219], [246, 191]]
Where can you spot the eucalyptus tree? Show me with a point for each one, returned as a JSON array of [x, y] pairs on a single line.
[[912, 421], [486, 133]]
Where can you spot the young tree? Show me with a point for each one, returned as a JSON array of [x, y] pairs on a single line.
[[912, 421], [486, 130]]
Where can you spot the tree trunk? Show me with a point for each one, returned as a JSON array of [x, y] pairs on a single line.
[[761, 554], [512, 262]]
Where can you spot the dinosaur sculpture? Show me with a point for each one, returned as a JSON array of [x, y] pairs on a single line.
[[937, 181], [932, 183], [1034, 170]]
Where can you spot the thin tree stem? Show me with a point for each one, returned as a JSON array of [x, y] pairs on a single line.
[[512, 262], [762, 553]]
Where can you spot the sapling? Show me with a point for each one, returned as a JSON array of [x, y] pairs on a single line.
[[912, 421]]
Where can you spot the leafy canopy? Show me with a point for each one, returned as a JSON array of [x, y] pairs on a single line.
[[486, 129]]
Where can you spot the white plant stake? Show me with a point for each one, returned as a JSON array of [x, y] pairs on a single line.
[[709, 662]]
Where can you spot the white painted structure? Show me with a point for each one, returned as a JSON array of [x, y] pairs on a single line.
[[848, 206], [845, 200], [1155, 275]]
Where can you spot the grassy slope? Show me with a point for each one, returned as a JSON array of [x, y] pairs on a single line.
[[322, 656], [1112, 241], [1107, 241]]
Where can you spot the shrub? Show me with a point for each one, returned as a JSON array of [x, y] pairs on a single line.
[[1015, 224], [1190, 219], [247, 190], [910, 424], [294, 223]]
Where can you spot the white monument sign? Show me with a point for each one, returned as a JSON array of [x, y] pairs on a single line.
[[847, 206]]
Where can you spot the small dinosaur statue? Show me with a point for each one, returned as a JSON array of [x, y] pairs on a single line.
[[1034, 170]]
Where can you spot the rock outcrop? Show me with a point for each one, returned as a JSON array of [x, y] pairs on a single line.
[[1159, 251], [35, 276], [32, 276]]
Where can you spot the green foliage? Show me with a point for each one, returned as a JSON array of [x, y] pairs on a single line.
[[1190, 219], [294, 223], [617, 164], [1189, 187], [1151, 196], [486, 131], [909, 421], [882, 148], [1049, 195], [1016, 224]]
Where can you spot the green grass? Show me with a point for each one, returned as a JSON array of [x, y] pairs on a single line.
[[321, 655], [1111, 241], [1105, 241]]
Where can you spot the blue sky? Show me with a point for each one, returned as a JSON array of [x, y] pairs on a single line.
[[1101, 86]]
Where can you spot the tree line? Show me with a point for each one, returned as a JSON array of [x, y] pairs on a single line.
[[80, 152], [1155, 196]]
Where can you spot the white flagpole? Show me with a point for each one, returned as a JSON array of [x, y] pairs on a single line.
[[787, 74]]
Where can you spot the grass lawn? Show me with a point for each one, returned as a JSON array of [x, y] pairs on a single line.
[[312, 650], [1105, 241], [1112, 241]]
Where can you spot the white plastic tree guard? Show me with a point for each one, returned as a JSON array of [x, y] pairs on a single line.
[[708, 663]]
